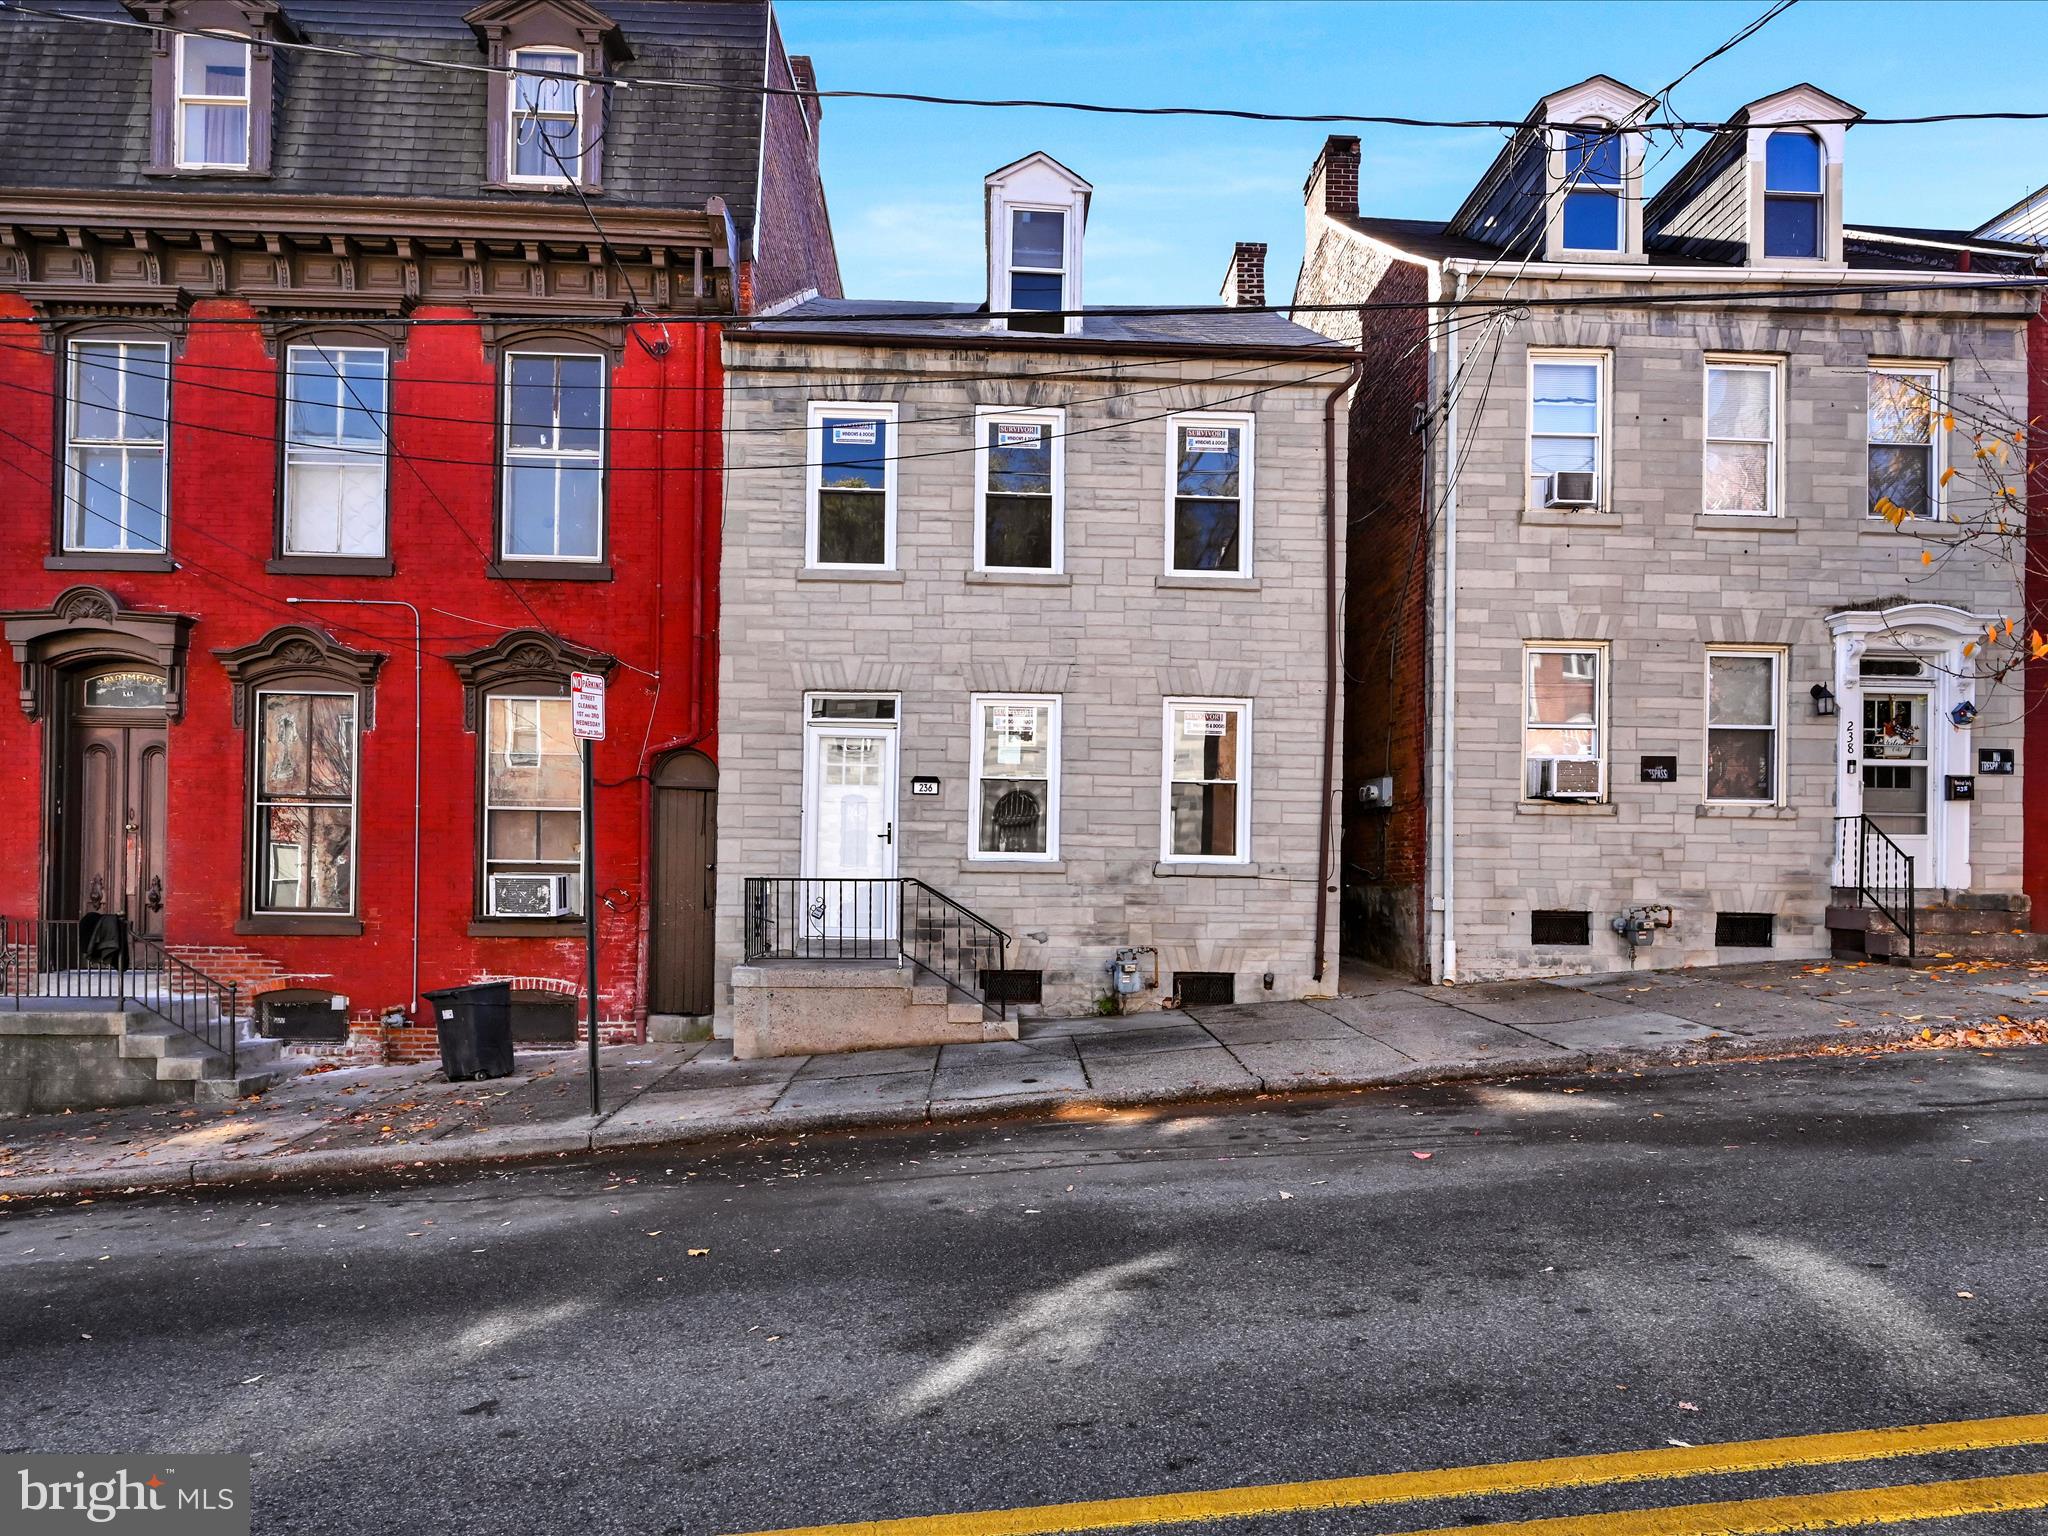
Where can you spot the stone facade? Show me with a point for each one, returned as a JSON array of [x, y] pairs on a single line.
[[1111, 637]]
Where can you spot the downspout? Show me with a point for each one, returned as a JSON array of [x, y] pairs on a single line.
[[1447, 703], [1331, 653]]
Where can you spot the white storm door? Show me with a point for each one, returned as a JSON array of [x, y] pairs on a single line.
[[849, 852], [1898, 778]]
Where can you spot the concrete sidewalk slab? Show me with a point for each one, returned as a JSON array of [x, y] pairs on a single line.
[[1457, 1037], [1261, 1023], [1280, 1064], [1161, 1075], [1637, 1030], [1000, 1069], [1187, 1036], [914, 1058], [1105, 1024], [1535, 1002], [903, 1092]]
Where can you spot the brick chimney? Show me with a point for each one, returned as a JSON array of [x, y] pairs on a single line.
[[1332, 186], [806, 78], [1244, 284]]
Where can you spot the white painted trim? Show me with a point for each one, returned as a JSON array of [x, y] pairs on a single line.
[[512, 119], [888, 730], [1247, 454], [571, 867], [1243, 708], [1937, 436], [1776, 655], [511, 458], [1054, 418], [258, 880], [814, 468], [1531, 649], [1774, 483], [181, 98], [1603, 452], [380, 461], [75, 446], [1055, 729]]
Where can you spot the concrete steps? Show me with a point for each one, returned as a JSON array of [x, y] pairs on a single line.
[[183, 1058], [1966, 926], [803, 1008]]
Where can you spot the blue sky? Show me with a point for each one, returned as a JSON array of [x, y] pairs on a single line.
[[1171, 195]]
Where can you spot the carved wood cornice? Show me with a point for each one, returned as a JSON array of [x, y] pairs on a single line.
[[86, 623], [529, 656], [300, 651]]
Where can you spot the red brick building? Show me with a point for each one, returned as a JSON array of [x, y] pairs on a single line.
[[348, 404]]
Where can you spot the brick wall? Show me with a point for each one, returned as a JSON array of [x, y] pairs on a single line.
[[793, 234]]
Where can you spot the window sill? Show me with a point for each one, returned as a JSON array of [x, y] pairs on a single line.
[[525, 927], [848, 573], [544, 184], [194, 172], [110, 561], [1204, 869], [1564, 517], [281, 923], [1565, 808], [329, 565], [1741, 522], [1013, 866], [549, 570], [1223, 583], [1938, 529], [1020, 578], [1746, 812]]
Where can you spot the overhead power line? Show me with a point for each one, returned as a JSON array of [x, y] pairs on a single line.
[[924, 98]]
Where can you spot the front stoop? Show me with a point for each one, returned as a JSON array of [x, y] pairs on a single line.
[[183, 1058], [794, 1008], [103, 1058], [1969, 925]]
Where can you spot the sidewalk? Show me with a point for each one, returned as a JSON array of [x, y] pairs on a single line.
[[1381, 1032]]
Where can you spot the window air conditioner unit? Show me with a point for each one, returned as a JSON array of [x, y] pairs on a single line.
[[532, 895], [1565, 778], [1574, 488]]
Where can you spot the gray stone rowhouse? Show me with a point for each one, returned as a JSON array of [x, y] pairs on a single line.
[[932, 647], [1759, 555]]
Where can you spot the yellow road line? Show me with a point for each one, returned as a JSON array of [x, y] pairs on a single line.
[[1468, 1482], [1793, 1512]]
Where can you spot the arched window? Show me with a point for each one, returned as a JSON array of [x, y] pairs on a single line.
[[1594, 184], [1792, 194]]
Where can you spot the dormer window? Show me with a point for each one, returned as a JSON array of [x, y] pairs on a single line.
[[1038, 266], [545, 121], [1596, 182], [1792, 194], [212, 117]]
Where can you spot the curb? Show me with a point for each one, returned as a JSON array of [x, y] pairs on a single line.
[[499, 1149]]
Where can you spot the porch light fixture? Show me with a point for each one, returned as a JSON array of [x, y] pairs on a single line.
[[1823, 699]]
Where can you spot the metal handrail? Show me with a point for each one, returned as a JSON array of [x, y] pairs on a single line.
[[52, 958], [1880, 872], [847, 920]]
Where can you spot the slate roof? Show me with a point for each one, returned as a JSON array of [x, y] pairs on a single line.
[[74, 106], [860, 319]]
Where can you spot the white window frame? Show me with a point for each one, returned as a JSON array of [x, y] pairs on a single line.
[[512, 458], [814, 475], [1818, 199], [1602, 428], [1011, 266], [1243, 708], [259, 881], [1776, 657], [1054, 421], [1617, 190], [337, 453], [1247, 456], [1937, 436], [76, 447], [1531, 649], [483, 831], [514, 116], [181, 99], [980, 704], [1773, 445]]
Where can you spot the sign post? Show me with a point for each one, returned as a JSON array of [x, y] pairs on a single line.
[[586, 719]]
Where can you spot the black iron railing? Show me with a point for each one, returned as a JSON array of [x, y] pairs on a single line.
[[1878, 871], [836, 921], [96, 959]]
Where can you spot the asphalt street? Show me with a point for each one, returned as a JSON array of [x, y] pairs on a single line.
[[871, 1327]]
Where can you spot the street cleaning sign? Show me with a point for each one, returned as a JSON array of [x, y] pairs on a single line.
[[586, 705]]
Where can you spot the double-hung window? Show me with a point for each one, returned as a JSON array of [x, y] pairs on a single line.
[[554, 456], [335, 450], [305, 803], [1743, 712], [1206, 811], [1038, 269], [1741, 470], [851, 512], [533, 807], [1209, 495], [1564, 735], [1020, 489], [1793, 195], [212, 111], [117, 429], [547, 98], [1905, 447], [1014, 795], [1567, 421], [1593, 186]]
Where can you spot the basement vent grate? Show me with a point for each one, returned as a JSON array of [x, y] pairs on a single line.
[[1560, 927], [1014, 986], [304, 1016], [543, 1018], [1213, 989], [1744, 930]]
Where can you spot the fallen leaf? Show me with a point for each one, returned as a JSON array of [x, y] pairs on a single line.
[[1423, 1156]]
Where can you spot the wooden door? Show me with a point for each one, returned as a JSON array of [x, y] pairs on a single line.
[[685, 880], [118, 828]]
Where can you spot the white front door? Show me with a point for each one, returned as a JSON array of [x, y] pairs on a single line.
[[1898, 778], [849, 844]]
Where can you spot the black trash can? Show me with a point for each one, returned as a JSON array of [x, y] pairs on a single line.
[[475, 1026]]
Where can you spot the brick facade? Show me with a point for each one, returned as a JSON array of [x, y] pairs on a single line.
[[793, 244]]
